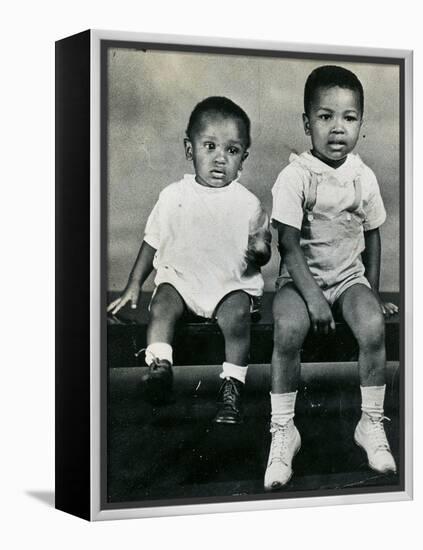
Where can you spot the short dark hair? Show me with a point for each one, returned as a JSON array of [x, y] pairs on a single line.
[[328, 76], [221, 106]]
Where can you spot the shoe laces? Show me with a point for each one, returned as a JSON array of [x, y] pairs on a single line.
[[279, 446], [378, 432], [137, 353], [229, 393], [158, 364]]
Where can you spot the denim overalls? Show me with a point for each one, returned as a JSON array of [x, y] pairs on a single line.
[[332, 239]]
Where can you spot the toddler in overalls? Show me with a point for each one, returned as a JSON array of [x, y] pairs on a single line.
[[327, 209]]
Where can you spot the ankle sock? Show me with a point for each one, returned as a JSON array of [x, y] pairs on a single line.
[[234, 371], [283, 407], [372, 399], [158, 350]]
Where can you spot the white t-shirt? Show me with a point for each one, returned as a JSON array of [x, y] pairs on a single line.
[[201, 236]]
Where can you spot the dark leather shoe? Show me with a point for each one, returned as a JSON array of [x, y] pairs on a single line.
[[158, 382], [230, 402]]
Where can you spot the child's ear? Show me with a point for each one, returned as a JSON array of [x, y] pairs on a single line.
[[306, 123], [188, 149], [244, 156]]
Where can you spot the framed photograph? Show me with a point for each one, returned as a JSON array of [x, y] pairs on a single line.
[[234, 275]]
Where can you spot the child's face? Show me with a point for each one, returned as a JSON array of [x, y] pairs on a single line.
[[333, 122], [217, 149]]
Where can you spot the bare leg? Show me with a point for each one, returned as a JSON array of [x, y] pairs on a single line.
[[233, 318], [291, 326], [363, 314], [166, 308]]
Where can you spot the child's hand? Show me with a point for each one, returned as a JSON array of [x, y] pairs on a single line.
[[130, 294], [388, 308], [259, 250], [321, 316]]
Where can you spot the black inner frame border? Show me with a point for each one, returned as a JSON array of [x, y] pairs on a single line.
[[105, 45]]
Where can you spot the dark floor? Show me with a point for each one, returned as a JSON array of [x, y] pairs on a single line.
[[175, 451]]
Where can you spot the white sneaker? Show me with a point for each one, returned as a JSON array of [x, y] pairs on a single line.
[[370, 435], [286, 443]]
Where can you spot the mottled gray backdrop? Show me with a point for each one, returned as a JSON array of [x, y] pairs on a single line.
[[151, 95]]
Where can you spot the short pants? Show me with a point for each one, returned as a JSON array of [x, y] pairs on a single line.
[[333, 292], [192, 309]]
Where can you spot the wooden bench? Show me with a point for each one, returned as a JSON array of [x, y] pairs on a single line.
[[201, 343]]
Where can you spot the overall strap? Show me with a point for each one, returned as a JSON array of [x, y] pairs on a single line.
[[310, 201], [357, 195]]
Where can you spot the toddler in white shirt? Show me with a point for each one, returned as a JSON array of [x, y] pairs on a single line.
[[207, 238]]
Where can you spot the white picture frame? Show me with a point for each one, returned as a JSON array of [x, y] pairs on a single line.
[[82, 259]]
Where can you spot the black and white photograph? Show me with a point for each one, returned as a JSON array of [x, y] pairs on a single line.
[[253, 275], [211, 275]]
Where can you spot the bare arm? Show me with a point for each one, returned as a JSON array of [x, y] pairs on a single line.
[[289, 246], [371, 257], [371, 260], [143, 266]]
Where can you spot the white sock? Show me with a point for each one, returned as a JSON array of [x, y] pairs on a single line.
[[234, 371], [158, 350], [283, 407], [372, 399]]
